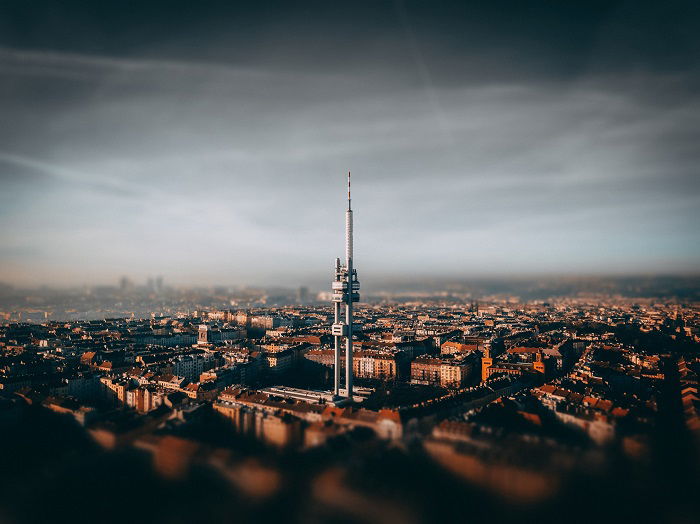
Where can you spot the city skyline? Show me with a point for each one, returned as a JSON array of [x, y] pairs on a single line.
[[182, 333], [207, 146]]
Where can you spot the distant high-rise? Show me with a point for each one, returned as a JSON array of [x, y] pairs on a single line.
[[345, 291], [125, 284], [303, 295]]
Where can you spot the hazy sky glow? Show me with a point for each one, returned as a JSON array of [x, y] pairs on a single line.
[[210, 146]]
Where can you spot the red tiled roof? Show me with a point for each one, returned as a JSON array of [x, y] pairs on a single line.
[[620, 412], [604, 405], [390, 414], [590, 401], [523, 349]]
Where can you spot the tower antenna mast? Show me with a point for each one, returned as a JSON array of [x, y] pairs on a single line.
[[345, 292]]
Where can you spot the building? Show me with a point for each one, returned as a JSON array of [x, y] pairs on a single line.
[[445, 372], [375, 365], [490, 367], [192, 366], [450, 347]]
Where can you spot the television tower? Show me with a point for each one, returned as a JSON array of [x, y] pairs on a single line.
[[345, 291]]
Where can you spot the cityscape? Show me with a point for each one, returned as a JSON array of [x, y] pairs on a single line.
[[161, 361]]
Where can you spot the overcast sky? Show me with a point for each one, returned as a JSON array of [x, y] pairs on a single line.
[[209, 143]]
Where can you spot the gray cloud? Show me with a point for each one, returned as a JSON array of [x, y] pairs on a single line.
[[207, 171]]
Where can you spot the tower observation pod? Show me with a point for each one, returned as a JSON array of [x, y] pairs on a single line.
[[346, 289]]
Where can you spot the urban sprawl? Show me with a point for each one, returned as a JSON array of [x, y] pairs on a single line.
[[465, 383]]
